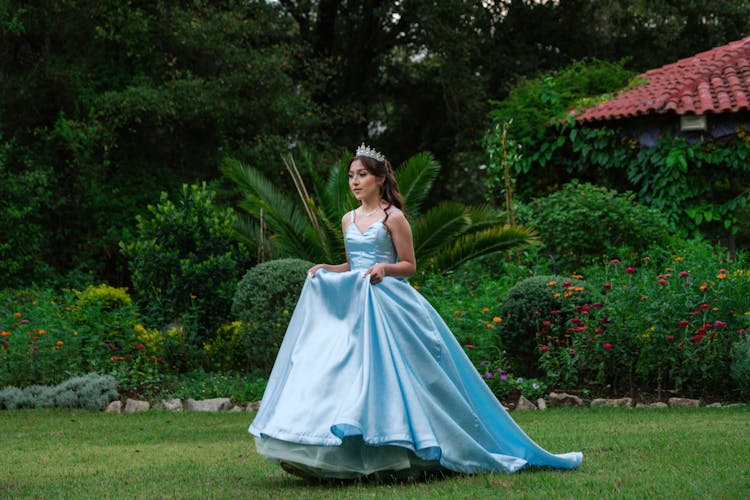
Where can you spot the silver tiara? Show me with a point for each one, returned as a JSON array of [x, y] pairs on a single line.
[[369, 152]]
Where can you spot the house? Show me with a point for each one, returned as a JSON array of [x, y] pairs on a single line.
[[707, 94]]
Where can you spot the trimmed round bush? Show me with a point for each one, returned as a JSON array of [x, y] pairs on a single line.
[[264, 303], [522, 308], [582, 223]]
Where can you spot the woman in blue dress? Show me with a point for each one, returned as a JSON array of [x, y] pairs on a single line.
[[369, 379]]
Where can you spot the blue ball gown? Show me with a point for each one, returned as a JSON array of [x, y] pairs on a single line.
[[369, 379]]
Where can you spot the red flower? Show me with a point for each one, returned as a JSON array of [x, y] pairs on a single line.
[[629, 269], [607, 286], [546, 323], [684, 274], [741, 331], [607, 346], [469, 346], [705, 306], [662, 282], [543, 348], [719, 324], [141, 346], [670, 337], [597, 305], [683, 324]]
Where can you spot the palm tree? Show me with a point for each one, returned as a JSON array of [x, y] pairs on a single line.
[[308, 226]]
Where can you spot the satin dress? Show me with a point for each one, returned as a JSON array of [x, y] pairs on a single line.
[[369, 379]]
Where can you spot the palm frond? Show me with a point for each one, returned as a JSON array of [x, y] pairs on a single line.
[[439, 225], [471, 246], [414, 178], [485, 216], [340, 199]]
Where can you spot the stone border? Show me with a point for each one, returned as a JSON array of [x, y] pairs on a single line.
[[553, 400]]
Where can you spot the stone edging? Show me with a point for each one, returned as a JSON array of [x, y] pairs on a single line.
[[553, 400]]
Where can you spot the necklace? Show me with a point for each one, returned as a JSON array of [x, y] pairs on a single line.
[[367, 214]]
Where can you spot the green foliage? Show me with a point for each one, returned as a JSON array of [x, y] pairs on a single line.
[[23, 195], [580, 223], [741, 365], [307, 227], [264, 302], [90, 392], [184, 262], [525, 308]]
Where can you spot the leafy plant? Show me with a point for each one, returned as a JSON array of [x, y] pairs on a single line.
[[184, 261], [91, 392], [740, 369]]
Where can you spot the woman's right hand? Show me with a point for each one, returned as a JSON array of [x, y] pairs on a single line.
[[314, 269]]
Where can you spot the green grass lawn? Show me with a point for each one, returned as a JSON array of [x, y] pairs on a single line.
[[670, 453]]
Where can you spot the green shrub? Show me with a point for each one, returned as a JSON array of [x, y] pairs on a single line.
[[91, 392], [740, 369], [185, 262], [199, 384], [264, 302], [524, 310], [582, 222]]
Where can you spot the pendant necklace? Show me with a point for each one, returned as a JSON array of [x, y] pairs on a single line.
[[367, 214]]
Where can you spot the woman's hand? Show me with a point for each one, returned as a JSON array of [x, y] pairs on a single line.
[[376, 273], [314, 269]]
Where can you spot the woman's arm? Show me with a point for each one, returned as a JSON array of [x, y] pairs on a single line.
[[402, 239], [335, 268]]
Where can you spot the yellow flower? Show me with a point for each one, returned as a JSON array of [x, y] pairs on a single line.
[[679, 259], [721, 276], [577, 276]]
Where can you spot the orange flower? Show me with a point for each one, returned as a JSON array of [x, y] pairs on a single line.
[[679, 259], [16, 315], [416, 287], [721, 276], [485, 309], [704, 287], [490, 325], [41, 332], [557, 295], [497, 319], [577, 276], [4, 334], [552, 283], [60, 343]]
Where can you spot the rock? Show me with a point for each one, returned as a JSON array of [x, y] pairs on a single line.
[[658, 404], [235, 409], [714, 405], [135, 405], [613, 403], [561, 399], [253, 406], [114, 407], [683, 403], [525, 404], [541, 404], [215, 404], [174, 404]]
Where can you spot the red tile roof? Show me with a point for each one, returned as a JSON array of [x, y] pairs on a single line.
[[714, 81]]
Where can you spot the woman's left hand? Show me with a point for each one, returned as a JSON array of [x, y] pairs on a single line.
[[376, 273]]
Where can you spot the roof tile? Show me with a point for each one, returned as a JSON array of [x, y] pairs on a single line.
[[714, 81]]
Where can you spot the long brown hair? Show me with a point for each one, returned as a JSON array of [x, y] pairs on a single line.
[[389, 190]]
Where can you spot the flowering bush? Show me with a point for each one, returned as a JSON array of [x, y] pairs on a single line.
[[667, 322]]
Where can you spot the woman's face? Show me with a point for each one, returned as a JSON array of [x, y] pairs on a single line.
[[363, 184]]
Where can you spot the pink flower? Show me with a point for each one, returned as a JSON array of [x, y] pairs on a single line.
[[543, 348], [719, 324], [597, 305], [629, 269], [503, 377], [684, 274], [615, 261], [670, 337], [741, 331], [546, 323], [607, 346], [662, 282]]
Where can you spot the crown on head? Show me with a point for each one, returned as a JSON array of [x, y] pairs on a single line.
[[369, 152]]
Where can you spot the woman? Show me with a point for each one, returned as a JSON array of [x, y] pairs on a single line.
[[369, 379]]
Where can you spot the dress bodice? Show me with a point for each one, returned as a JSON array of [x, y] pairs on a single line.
[[370, 247]]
